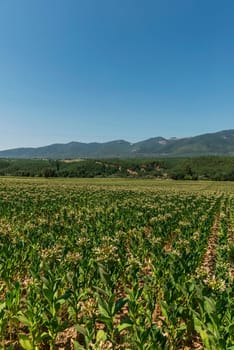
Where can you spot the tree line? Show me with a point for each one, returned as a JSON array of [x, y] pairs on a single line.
[[199, 168]]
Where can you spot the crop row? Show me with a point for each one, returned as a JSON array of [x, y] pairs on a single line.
[[113, 267]]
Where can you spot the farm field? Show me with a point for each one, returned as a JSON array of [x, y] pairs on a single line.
[[116, 264]]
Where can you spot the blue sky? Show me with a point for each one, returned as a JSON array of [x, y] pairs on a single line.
[[98, 70]]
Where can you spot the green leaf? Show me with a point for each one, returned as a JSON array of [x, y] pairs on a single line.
[[164, 309], [65, 296], [101, 291], [77, 346], [101, 336], [81, 330], [103, 308], [123, 326], [197, 324], [107, 320], [203, 334], [119, 304], [180, 310], [23, 319], [231, 330], [205, 339], [25, 342], [44, 336], [48, 294], [182, 327], [209, 305], [2, 306]]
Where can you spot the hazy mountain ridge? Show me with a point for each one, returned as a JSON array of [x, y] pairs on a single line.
[[219, 143]]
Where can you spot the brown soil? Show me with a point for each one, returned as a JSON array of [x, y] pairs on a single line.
[[209, 259]]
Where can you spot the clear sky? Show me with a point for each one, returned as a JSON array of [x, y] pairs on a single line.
[[99, 70]]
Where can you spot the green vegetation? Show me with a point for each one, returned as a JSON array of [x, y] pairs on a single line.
[[115, 264], [231, 253], [202, 168]]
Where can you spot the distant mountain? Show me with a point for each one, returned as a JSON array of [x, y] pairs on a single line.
[[219, 143]]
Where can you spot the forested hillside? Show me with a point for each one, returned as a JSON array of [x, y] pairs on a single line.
[[220, 143]]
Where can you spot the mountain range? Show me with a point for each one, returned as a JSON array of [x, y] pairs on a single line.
[[218, 143]]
